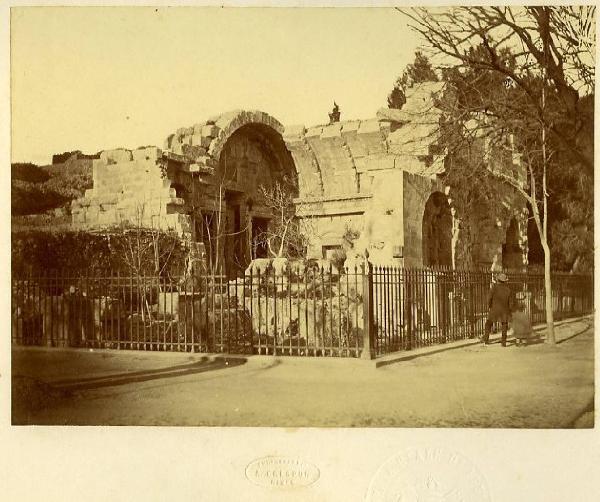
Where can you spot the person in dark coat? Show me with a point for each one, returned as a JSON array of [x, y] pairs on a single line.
[[500, 303]]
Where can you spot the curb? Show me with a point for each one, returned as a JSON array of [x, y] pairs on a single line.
[[540, 327], [459, 344], [270, 360]]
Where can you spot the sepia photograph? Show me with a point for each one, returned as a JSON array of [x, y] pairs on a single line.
[[303, 217]]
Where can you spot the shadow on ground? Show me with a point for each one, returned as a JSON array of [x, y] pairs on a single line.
[[586, 419], [30, 395], [202, 366]]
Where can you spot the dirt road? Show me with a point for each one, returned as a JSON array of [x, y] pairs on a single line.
[[535, 386]]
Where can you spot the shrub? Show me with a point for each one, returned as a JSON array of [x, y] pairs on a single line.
[[35, 251], [28, 172], [35, 198]]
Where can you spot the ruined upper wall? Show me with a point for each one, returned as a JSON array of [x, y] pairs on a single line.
[[202, 143], [341, 158], [357, 172], [132, 188]]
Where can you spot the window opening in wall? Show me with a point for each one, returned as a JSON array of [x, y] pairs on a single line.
[[180, 190], [437, 232]]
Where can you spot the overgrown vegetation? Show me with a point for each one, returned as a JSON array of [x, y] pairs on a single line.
[[525, 81], [285, 236], [501, 87], [416, 72], [37, 189], [126, 250]]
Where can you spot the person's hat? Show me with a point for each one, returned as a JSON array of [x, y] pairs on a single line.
[[502, 278]]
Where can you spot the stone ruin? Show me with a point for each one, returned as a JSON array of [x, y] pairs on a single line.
[[365, 186]]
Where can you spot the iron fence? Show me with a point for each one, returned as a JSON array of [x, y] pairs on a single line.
[[419, 307], [301, 311]]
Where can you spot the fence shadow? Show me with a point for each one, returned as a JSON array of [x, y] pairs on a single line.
[[111, 380]]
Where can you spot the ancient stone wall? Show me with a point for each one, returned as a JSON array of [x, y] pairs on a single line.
[[483, 233], [200, 166], [367, 178], [130, 188], [378, 175], [352, 172], [70, 157]]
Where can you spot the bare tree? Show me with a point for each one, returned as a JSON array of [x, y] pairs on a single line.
[[144, 249], [214, 222], [556, 42], [544, 55], [285, 236]]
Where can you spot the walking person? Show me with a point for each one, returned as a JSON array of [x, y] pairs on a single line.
[[500, 303]]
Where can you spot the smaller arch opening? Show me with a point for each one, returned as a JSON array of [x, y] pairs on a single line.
[[512, 254], [535, 252], [437, 232]]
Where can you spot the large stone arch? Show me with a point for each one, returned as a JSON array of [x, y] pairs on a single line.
[[437, 226], [233, 156], [229, 123], [203, 143], [270, 144]]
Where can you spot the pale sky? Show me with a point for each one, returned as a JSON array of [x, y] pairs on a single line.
[[99, 78]]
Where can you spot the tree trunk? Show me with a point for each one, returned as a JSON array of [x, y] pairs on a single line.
[[550, 339]]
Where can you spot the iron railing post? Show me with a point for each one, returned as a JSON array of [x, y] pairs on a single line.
[[409, 309], [368, 351], [444, 297]]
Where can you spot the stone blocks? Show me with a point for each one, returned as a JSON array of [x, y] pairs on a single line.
[[199, 139], [210, 131], [384, 217], [115, 156], [375, 163], [132, 190], [314, 132], [332, 131], [294, 133], [375, 174], [147, 153]]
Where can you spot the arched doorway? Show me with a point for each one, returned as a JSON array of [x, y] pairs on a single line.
[[254, 165], [535, 251], [512, 254], [437, 232]]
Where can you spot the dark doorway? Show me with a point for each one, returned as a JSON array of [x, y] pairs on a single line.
[[535, 251], [512, 256], [210, 238], [235, 259], [437, 232]]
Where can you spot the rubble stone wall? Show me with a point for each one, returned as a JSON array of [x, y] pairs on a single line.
[[372, 177], [352, 173], [129, 188]]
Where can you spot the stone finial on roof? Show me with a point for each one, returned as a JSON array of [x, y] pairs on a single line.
[[334, 116]]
